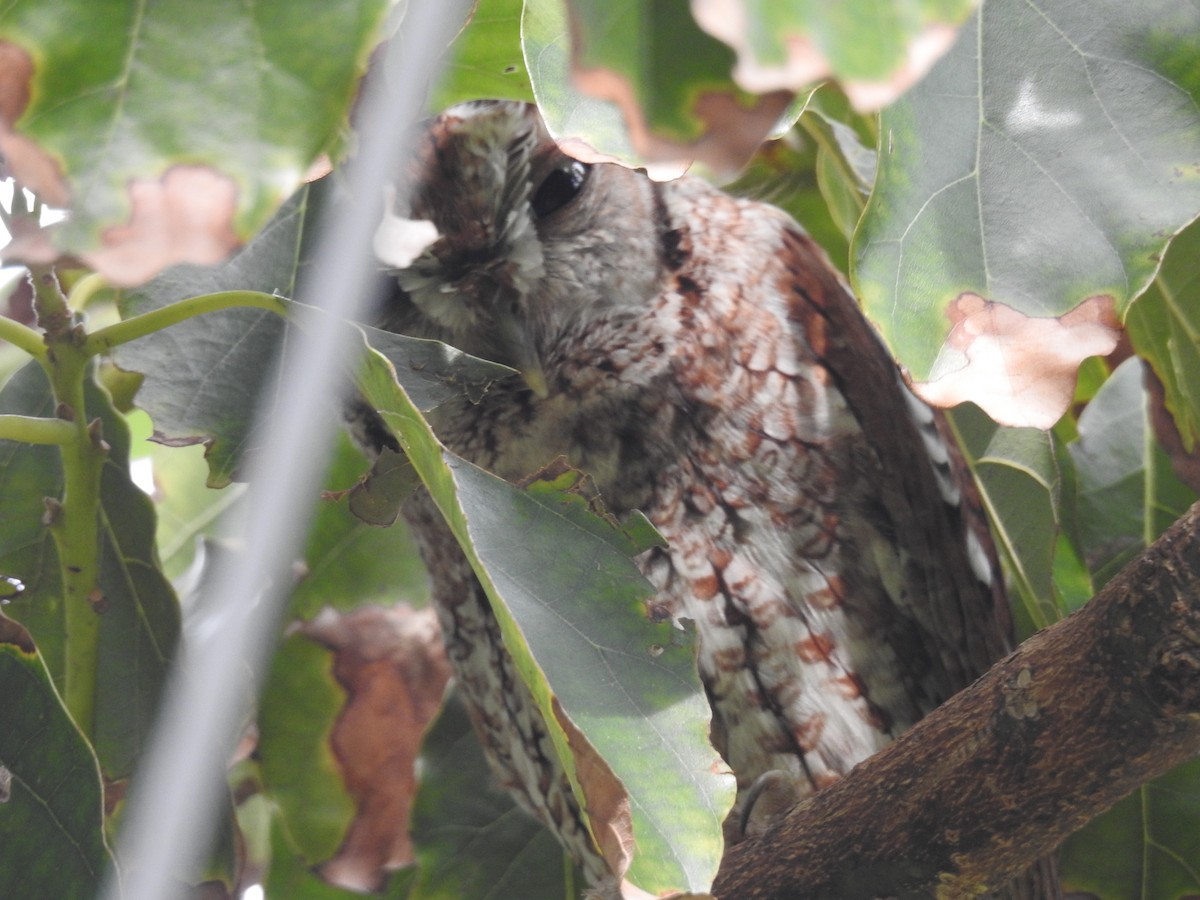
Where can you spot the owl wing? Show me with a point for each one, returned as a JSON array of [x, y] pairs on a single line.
[[817, 525]]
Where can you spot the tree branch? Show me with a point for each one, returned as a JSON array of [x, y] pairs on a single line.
[[1080, 715]]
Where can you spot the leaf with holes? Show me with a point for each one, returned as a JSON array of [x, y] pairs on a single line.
[[1026, 190]]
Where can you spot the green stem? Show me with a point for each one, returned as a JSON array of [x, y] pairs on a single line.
[[148, 323], [22, 336], [74, 525], [35, 430]]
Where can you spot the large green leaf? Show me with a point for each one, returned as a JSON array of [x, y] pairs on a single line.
[[140, 625], [569, 601], [52, 808], [602, 71], [175, 129], [470, 837], [876, 48], [1037, 171], [1165, 328]]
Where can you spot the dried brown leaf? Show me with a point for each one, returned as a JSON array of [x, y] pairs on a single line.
[[1020, 369], [393, 667]]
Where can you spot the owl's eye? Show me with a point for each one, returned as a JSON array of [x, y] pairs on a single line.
[[559, 188]]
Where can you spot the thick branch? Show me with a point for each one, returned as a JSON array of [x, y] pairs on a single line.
[[1079, 716]]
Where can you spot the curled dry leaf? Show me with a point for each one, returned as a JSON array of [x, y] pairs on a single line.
[[805, 62], [184, 216], [394, 670], [1020, 369]]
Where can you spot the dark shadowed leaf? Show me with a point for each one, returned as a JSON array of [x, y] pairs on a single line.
[[155, 170], [140, 627], [1037, 171], [570, 604], [470, 837], [52, 812], [1147, 847]]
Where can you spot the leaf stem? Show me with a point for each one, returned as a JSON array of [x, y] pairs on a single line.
[[148, 323], [22, 336], [35, 430]]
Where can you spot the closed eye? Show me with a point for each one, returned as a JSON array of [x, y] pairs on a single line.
[[559, 188]]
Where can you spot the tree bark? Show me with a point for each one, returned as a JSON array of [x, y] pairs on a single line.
[[1080, 715]]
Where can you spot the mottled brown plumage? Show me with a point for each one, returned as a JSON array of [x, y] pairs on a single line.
[[699, 357]]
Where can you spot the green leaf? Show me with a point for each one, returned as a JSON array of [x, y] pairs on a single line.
[[570, 605], [1019, 477], [350, 563], [204, 376], [1128, 494], [289, 876], [1164, 326], [122, 121], [140, 626], [470, 837], [663, 80], [875, 47], [1147, 846], [52, 813], [485, 59], [300, 702], [1042, 164]]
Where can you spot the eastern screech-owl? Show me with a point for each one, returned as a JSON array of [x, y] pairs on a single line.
[[699, 357]]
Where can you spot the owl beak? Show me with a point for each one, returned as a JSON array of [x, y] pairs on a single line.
[[522, 354]]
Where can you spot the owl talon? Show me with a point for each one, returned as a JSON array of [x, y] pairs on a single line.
[[767, 801]]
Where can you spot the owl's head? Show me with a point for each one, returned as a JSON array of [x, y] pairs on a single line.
[[531, 243]]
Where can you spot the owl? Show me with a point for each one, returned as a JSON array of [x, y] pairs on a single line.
[[700, 358]]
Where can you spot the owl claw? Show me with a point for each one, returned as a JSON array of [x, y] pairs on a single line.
[[768, 800]]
